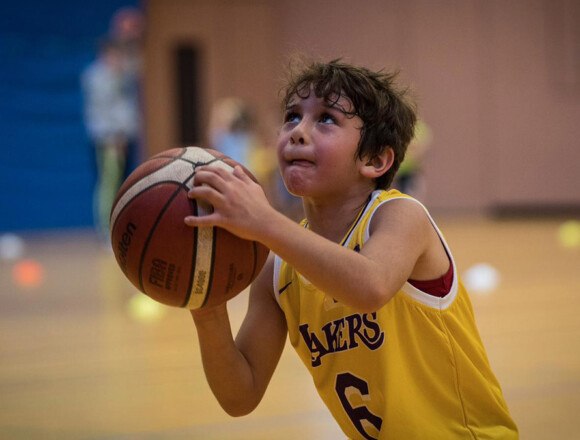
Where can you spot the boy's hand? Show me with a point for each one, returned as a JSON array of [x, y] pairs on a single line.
[[240, 204]]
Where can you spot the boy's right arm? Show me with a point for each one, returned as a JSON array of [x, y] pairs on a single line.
[[239, 371]]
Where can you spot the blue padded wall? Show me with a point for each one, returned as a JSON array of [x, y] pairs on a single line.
[[46, 165]]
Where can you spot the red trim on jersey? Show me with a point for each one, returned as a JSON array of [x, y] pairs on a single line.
[[438, 287]]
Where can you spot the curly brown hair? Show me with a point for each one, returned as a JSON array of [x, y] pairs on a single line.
[[387, 112]]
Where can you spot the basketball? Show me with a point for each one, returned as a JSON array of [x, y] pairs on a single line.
[[172, 263]]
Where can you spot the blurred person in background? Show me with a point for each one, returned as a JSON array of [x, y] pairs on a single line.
[[112, 121], [232, 131], [128, 29], [110, 87]]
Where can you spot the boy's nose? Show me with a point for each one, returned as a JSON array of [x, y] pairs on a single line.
[[298, 135], [297, 139]]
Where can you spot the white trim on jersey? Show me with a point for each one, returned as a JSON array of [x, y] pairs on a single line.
[[416, 294], [410, 290], [276, 278]]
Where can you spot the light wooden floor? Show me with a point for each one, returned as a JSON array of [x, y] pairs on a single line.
[[76, 363]]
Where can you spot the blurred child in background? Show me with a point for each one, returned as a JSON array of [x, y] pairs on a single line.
[[110, 87]]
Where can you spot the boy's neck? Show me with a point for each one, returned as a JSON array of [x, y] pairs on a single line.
[[333, 220]]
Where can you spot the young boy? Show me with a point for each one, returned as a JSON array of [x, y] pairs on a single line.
[[366, 287]]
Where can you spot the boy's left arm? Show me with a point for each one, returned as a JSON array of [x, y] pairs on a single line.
[[403, 237]]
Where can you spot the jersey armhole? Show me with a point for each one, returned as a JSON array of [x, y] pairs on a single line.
[[423, 297]]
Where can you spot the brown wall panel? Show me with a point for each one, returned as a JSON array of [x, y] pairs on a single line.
[[498, 82]]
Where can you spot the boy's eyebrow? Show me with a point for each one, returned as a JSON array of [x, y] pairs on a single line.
[[331, 105]]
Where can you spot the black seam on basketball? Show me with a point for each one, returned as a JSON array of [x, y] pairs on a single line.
[[169, 156], [194, 262], [174, 158], [119, 196], [194, 256], [152, 231], [201, 164], [213, 248], [174, 182], [114, 225]]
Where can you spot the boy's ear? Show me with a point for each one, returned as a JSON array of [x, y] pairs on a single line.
[[378, 165]]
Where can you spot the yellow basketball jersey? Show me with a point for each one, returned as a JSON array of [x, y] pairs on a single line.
[[415, 369]]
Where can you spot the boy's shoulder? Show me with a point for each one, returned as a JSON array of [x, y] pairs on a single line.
[[394, 200], [392, 210]]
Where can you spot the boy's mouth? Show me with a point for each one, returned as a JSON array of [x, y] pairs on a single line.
[[300, 162]]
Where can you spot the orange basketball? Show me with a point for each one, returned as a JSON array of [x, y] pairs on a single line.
[[173, 263]]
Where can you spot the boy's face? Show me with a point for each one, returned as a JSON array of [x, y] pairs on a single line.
[[317, 146]]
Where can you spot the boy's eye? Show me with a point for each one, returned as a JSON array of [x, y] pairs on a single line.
[[291, 117], [326, 118]]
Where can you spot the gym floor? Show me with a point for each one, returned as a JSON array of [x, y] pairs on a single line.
[[83, 356]]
